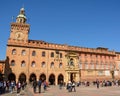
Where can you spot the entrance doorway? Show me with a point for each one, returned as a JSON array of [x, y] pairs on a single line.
[[71, 77]]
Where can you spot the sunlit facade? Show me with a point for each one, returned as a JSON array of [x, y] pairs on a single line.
[[33, 59]]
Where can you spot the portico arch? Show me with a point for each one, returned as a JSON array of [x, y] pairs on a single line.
[[22, 78], [60, 78], [42, 77], [32, 77], [11, 77], [52, 79]]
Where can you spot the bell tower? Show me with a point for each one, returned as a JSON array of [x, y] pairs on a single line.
[[20, 29]]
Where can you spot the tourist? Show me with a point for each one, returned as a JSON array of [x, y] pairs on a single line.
[[34, 86], [98, 83], [118, 82], [60, 84], [73, 86], [39, 85], [18, 87], [69, 86], [44, 85]]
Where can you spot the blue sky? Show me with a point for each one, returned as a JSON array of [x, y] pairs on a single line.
[[84, 23]]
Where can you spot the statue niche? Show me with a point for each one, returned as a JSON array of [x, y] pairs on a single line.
[[71, 62]]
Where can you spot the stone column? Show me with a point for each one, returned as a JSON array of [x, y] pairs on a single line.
[[77, 77], [17, 77], [67, 77], [56, 81]]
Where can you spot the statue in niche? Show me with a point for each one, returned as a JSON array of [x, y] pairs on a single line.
[[71, 62]]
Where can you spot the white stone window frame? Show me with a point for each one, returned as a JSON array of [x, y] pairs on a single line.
[[86, 65], [92, 64], [100, 73]]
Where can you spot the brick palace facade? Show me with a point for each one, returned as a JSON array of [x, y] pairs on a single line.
[[34, 59]]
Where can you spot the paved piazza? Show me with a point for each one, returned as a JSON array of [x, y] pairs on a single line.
[[80, 91]]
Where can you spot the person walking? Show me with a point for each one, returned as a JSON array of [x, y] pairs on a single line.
[[44, 85], [39, 85], [73, 86], [61, 84], [98, 83], [18, 87], [118, 82], [69, 86], [34, 86]]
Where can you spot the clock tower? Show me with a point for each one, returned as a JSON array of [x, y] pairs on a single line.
[[19, 29]]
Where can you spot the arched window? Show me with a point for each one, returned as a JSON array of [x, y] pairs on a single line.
[[60, 65], [52, 64], [23, 64], [13, 51], [33, 64], [33, 53], [13, 63], [43, 54], [23, 52], [52, 54], [43, 64]]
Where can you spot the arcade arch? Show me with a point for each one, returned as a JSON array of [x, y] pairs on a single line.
[[22, 78], [11, 77], [60, 78], [32, 77], [42, 77], [52, 79]]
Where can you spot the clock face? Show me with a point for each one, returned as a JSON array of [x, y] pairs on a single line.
[[19, 35]]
